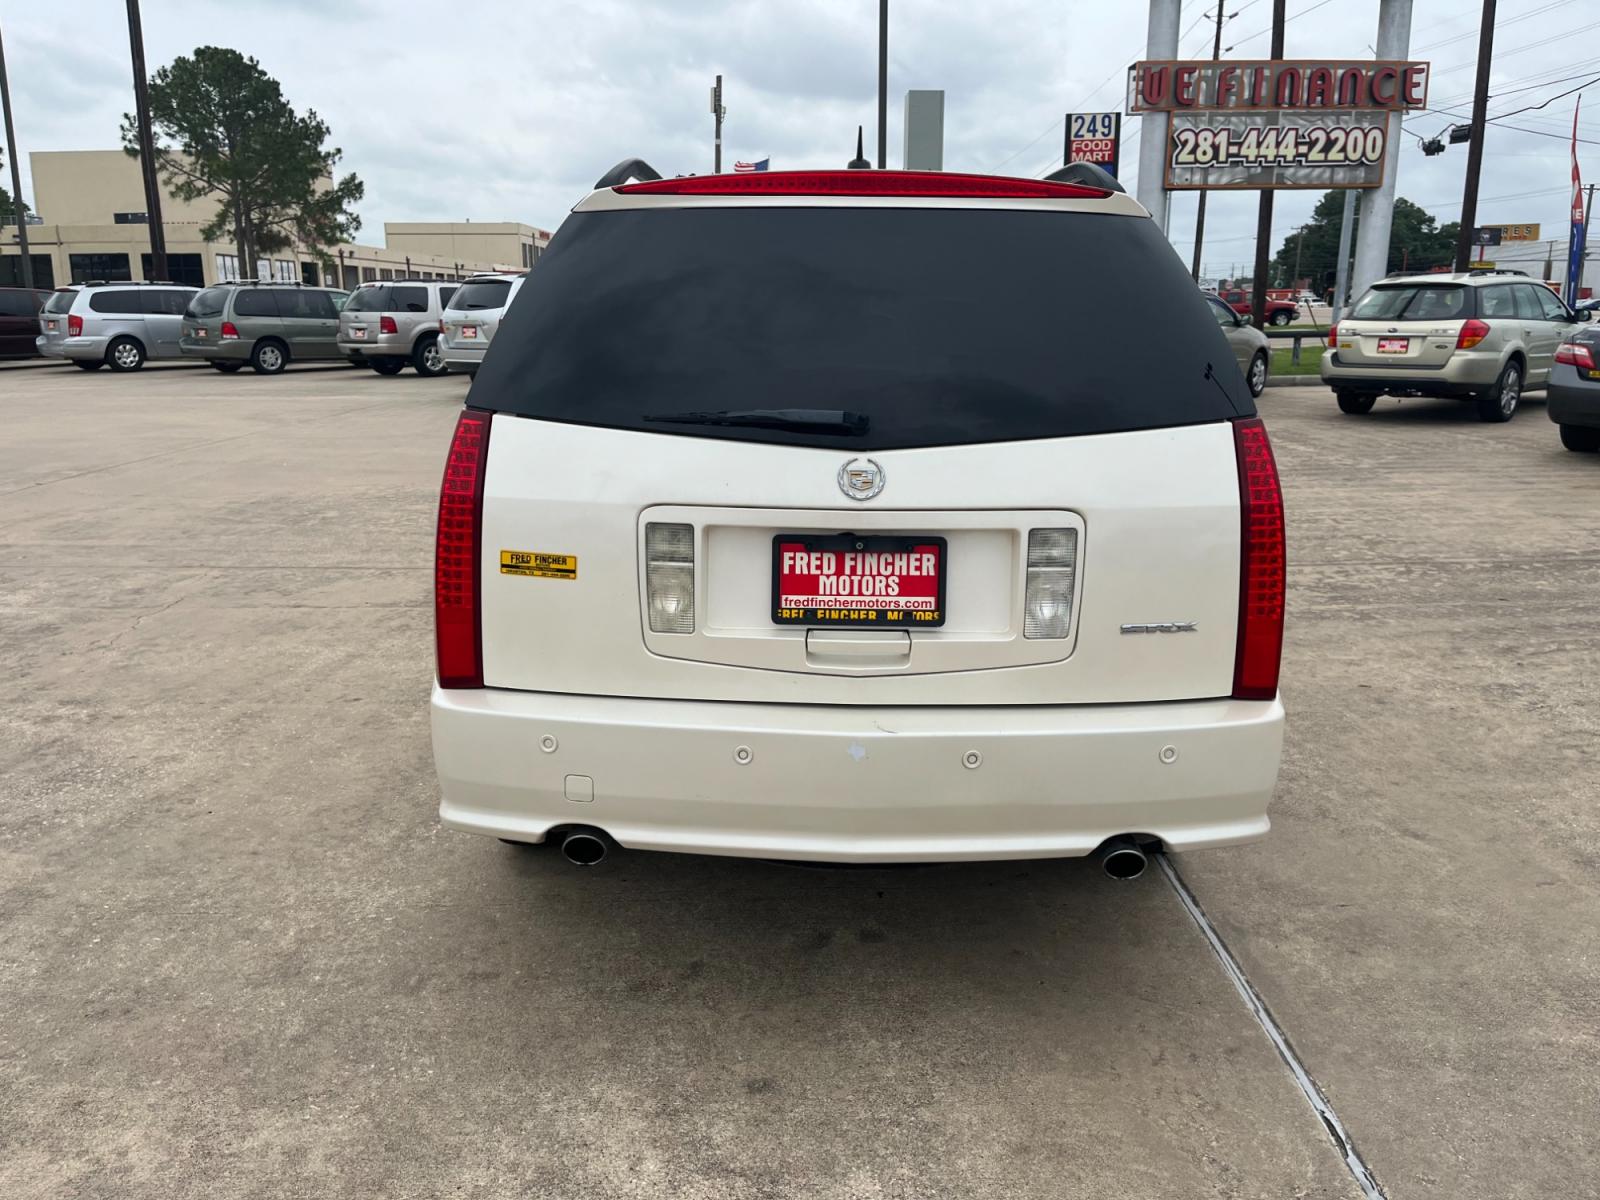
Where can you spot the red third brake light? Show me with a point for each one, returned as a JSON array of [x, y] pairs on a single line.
[[1472, 332], [387, 325], [865, 183], [1575, 354], [1263, 574], [74, 325], [457, 548]]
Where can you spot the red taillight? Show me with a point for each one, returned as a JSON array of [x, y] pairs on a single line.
[[387, 325], [1262, 565], [1333, 336], [865, 183], [1575, 354], [457, 547], [1472, 332], [230, 330], [441, 324], [74, 325]]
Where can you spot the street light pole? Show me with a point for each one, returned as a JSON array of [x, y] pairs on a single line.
[[883, 80], [1258, 287], [147, 149], [16, 173], [1200, 210], [718, 112], [1480, 102]]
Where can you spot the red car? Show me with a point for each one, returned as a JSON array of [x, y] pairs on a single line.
[[1278, 312]]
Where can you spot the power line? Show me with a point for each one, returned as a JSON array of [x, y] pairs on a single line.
[[1286, 20], [1472, 33], [1018, 154]]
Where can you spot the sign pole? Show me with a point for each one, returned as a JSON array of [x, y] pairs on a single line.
[[1161, 45], [1377, 205], [1258, 285], [1341, 276]]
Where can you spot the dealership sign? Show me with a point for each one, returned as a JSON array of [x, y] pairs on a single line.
[[1095, 138], [1277, 124]]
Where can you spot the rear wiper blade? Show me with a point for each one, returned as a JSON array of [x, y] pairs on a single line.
[[797, 420]]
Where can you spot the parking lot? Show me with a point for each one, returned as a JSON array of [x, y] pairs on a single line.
[[238, 956]]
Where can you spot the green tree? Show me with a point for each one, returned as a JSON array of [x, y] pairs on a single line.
[[8, 208], [1416, 242], [223, 129]]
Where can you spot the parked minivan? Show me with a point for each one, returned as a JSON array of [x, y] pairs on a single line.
[[265, 324], [19, 321], [805, 515], [120, 325], [387, 326], [472, 317]]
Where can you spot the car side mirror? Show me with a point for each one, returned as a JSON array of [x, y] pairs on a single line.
[[1583, 314]]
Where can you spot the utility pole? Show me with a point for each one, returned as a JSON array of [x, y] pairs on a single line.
[[1200, 211], [1258, 288], [718, 112], [147, 149], [16, 173], [1480, 103], [883, 82]]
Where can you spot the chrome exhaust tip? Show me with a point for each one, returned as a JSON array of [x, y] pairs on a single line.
[[584, 848], [1122, 858]]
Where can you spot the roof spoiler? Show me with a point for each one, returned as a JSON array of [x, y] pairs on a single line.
[[1087, 174], [628, 169]]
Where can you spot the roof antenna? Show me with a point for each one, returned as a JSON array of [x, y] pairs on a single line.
[[859, 162]]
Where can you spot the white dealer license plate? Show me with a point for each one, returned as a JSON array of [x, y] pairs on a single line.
[[358, 331], [1393, 345], [469, 331]]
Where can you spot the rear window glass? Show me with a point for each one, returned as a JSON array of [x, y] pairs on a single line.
[[117, 302], [1410, 302], [925, 327], [255, 302], [411, 299], [369, 299], [60, 302], [208, 303], [491, 293]]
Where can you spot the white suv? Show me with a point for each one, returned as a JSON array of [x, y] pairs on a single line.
[[798, 515]]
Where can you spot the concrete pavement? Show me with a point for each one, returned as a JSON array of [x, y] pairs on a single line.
[[239, 958]]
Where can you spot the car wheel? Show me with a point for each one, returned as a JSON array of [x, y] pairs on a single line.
[[227, 368], [1585, 439], [269, 358], [387, 366], [83, 365], [1500, 402], [1257, 376], [1356, 403], [125, 354], [1280, 318], [427, 358]]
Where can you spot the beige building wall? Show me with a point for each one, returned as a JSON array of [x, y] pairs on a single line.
[[79, 192], [511, 245], [86, 187]]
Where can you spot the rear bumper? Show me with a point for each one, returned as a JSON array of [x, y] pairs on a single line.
[[216, 349], [1465, 374], [461, 358], [385, 345], [1573, 400], [845, 784], [83, 349]]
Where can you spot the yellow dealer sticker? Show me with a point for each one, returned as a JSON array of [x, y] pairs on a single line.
[[541, 566]]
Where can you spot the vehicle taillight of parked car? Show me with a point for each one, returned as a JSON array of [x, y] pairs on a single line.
[[1472, 332], [387, 325], [1333, 336], [230, 330], [74, 325], [1574, 354]]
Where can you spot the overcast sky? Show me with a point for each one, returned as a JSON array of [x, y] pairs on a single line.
[[510, 111]]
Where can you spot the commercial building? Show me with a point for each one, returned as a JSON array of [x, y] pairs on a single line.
[[91, 205]]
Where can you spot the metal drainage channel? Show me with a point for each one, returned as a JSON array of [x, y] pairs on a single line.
[[1319, 1103]]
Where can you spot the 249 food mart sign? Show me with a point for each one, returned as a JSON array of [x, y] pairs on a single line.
[[1269, 123]]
